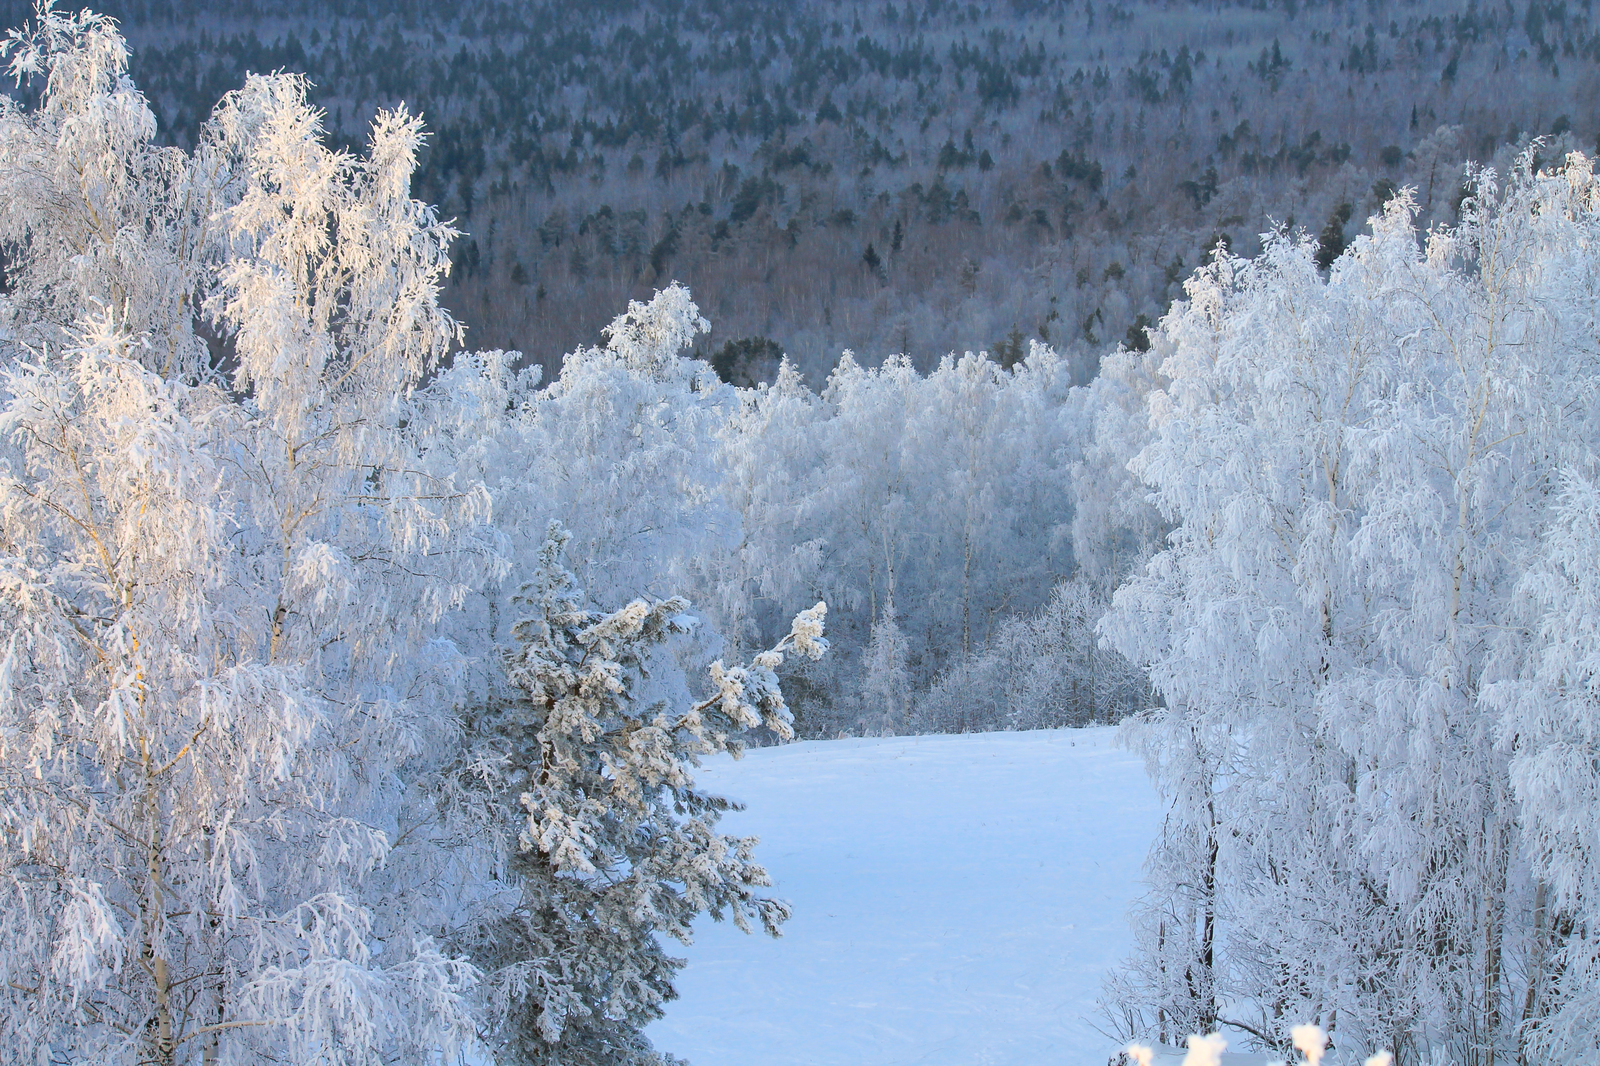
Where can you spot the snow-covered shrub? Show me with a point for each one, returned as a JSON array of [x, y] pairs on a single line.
[[1210, 1049]]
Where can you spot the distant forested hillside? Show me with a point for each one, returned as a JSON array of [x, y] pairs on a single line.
[[914, 177]]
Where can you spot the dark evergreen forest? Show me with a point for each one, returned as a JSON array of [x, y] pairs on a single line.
[[919, 178]]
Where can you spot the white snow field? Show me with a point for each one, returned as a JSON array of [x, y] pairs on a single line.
[[957, 900]]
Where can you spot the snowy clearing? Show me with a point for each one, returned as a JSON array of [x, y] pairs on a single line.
[[956, 900]]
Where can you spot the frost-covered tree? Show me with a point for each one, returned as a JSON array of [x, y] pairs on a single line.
[[1115, 528], [93, 213], [220, 673], [590, 756], [1042, 670], [1552, 727], [628, 453], [241, 512], [1361, 469], [886, 681], [770, 479]]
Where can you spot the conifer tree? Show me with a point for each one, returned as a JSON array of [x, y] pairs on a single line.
[[615, 847]]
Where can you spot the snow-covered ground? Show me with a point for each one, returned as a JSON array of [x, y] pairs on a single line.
[[956, 900]]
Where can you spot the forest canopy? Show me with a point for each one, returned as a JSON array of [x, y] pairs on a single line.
[[1044, 170]]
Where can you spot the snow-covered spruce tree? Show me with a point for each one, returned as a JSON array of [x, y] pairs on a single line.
[[1362, 468], [218, 672], [591, 758]]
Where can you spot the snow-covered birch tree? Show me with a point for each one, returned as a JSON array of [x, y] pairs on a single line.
[[251, 800], [1361, 469], [220, 581]]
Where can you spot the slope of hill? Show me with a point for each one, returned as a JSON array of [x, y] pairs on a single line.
[[956, 900]]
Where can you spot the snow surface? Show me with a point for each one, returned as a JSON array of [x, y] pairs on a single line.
[[957, 900]]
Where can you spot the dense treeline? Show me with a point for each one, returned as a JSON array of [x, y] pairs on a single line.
[[1374, 629], [912, 178], [313, 749]]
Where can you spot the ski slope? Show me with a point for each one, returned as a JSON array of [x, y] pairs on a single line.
[[956, 900]]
